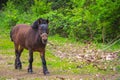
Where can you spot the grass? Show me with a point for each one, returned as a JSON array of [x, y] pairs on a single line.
[[108, 47], [55, 64]]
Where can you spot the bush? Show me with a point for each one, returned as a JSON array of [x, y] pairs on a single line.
[[80, 20]]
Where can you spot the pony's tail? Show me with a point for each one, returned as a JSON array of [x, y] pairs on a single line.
[[11, 35]]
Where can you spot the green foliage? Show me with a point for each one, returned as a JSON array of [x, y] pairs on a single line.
[[81, 20], [40, 7], [9, 15], [26, 4]]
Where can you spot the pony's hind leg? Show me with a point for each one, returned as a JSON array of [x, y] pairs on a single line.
[[18, 51]]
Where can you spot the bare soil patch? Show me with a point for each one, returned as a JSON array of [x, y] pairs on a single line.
[[7, 72]]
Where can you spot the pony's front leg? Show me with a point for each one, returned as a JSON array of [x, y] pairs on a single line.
[[45, 70], [30, 61]]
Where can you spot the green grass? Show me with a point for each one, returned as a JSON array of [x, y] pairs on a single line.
[[55, 64], [106, 47]]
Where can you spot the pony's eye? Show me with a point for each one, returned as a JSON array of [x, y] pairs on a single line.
[[39, 28]]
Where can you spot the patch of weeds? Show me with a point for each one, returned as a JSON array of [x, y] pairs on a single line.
[[61, 66], [6, 43], [64, 66], [57, 40], [119, 55], [2, 78], [118, 68], [108, 47], [118, 78]]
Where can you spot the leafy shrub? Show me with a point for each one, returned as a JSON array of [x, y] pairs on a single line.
[[9, 15], [80, 20]]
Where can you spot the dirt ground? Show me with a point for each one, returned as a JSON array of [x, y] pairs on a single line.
[[7, 72]]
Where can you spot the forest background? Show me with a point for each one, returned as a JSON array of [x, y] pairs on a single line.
[[80, 20]]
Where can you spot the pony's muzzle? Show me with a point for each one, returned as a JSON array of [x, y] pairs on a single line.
[[44, 37]]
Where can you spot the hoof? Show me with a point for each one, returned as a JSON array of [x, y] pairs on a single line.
[[46, 73], [18, 67], [15, 67], [30, 71]]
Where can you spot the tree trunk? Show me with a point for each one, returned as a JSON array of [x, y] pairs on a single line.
[[103, 34]]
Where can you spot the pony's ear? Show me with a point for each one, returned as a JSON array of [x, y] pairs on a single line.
[[35, 25], [39, 20], [47, 21]]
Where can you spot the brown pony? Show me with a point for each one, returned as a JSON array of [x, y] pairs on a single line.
[[32, 38]]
